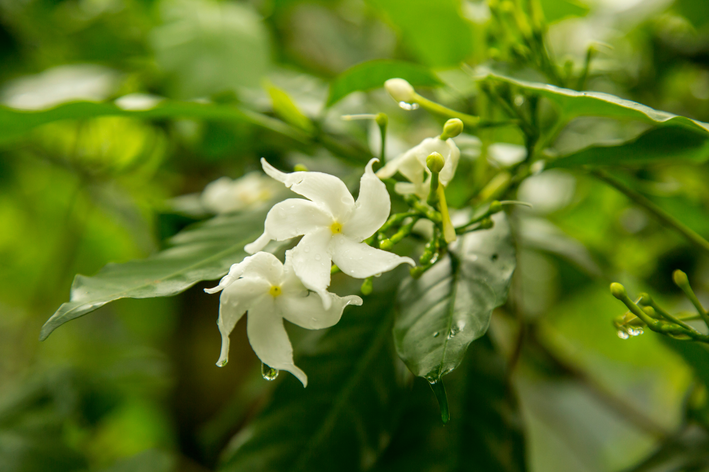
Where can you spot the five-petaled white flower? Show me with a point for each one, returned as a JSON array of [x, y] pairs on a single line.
[[271, 292], [333, 226], [412, 165]]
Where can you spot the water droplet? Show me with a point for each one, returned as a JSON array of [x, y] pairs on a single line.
[[268, 373], [622, 334], [519, 100], [454, 330], [318, 257], [306, 249], [223, 362], [436, 334], [635, 331], [408, 106]]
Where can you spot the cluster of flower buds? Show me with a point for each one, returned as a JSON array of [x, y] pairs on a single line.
[[646, 312]]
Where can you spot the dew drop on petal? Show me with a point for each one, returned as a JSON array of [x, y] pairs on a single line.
[[317, 257], [268, 373], [622, 334]]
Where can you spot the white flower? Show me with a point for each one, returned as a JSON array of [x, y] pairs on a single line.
[[333, 227], [412, 165], [271, 292], [225, 195]]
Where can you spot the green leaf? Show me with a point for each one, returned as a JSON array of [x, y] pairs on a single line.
[[450, 306], [573, 104], [435, 32], [14, 122], [285, 107], [373, 74], [344, 418], [556, 10], [656, 145], [202, 252], [486, 427]]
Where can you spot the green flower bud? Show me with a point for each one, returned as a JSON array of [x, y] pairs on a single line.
[[435, 162], [680, 278], [367, 286], [300, 168], [382, 119], [618, 291], [650, 311], [645, 299], [452, 128], [486, 223], [495, 207], [400, 90]]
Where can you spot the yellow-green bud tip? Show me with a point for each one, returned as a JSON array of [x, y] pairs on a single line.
[[645, 299], [495, 207], [452, 128], [618, 291], [650, 311], [382, 119], [486, 223], [300, 168], [680, 278], [386, 244], [400, 90], [435, 162]]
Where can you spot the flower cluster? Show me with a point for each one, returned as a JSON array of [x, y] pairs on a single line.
[[333, 227]]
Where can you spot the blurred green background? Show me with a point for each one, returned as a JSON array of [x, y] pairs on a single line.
[[134, 387]]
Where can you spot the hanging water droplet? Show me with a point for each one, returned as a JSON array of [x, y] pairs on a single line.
[[635, 331], [436, 334], [222, 363], [268, 373], [622, 334], [408, 106]]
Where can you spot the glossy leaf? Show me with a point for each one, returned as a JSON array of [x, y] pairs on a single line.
[[573, 104], [665, 144], [373, 74], [450, 306], [14, 122], [435, 32], [202, 252], [486, 429], [286, 108], [343, 419]]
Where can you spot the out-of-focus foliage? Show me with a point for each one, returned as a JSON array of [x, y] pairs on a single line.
[[112, 107]]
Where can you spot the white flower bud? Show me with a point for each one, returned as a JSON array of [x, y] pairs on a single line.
[[400, 90]]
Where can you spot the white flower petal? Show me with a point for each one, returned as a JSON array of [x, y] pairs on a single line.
[[236, 298], [312, 262], [372, 207], [325, 190], [261, 264], [293, 217], [452, 156], [308, 312], [361, 261], [269, 339], [259, 244]]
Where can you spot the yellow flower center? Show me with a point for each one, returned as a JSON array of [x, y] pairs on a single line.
[[275, 291], [336, 228]]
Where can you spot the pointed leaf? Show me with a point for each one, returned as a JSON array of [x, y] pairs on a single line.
[[573, 104], [656, 145], [343, 419], [373, 74], [202, 252], [450, 306]]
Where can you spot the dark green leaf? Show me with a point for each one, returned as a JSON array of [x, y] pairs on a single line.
[[435, 32], [696, 11], [450, 306], [202, 252], [343, 419], [373, 74], [573, 104], [485, 432], [687, 451], [656, 145], [14, 123], [152, 460]]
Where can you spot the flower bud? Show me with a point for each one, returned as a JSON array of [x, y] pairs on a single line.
[[400, 90], [495, 207], [452, 128], [435, 162], [645, 299], [680, 278], [381, 119], [486, 223], [618, 291]]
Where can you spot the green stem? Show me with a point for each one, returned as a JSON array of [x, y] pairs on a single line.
[[439, 390], [652, 208], [437, 108]]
